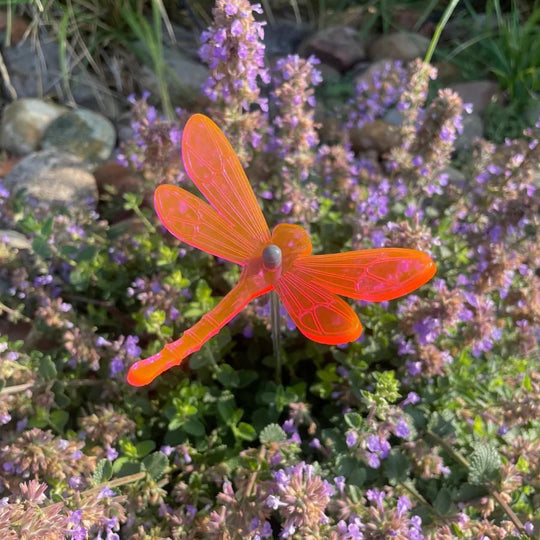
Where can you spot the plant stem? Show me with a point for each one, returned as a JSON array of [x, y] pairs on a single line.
[[274, 307], [438, 31]]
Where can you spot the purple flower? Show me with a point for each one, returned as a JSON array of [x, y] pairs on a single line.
[[106, 492], [131, 346], [403, 505], [401, 429], [274, 502], [340, 483], [75, 482], [373, 460], [112, 453], [351, 438], [375, 496], [411, 399]]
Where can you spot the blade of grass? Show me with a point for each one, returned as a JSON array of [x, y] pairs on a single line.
[[438, 31]]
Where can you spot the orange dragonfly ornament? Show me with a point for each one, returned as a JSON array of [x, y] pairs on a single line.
[[233, 227]]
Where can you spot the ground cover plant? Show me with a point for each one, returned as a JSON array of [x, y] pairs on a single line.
[[426, 427]]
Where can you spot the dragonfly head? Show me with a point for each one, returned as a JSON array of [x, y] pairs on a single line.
[[272, 257]]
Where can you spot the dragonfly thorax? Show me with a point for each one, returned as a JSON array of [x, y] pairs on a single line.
[[272, 257]]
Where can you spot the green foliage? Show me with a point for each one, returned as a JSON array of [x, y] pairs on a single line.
[[484, 464], [272, 433]]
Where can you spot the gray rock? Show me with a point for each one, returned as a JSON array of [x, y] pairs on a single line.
[[403, 46], [54, 178], [34, 74], [184, 77], [34, 70], [479, 93], [367, 70], [454, 176], [283, 38], [15, 239], [340, 47], [23, 123], [473, 127], [378, 135], [394, 117], [83, 133]]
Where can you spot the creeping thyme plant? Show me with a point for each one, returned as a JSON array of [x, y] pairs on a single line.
[[427, 427]]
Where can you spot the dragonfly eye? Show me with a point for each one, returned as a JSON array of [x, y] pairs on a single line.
[[271, 257]]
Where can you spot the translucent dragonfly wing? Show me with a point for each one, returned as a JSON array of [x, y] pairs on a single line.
[[212, 164], [319, 314], [196, 223], [373, 275]]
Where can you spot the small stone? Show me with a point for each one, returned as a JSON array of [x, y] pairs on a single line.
[[394, 117], [184, 78], [23, 123], [403, 46], [447, 72], [15, 239], [454, 176], [378, 135], [367, 70], [473, 128], [34, 74], [54, 178], [479, 93], [121, 178], [340, 47], [83, 133], [283, 38]]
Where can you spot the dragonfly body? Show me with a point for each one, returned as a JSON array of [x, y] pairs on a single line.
[[232, 227]]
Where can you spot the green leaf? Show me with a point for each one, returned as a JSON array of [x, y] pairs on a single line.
[[484, 464], [41, 247], [245, 431], [144, 448], [353, 420], [396, 467], [194, 427], [199, 360], [47, 368], [46, 227], [227, 376], [442, 424], [125, 466], [272, 433], [103, 472], [443, 502], [87, 253], [58, 420], [226, 408], [156, 464]]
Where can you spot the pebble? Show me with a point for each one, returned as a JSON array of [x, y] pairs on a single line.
[[54, 178], [184, 78], [403, 46], [340, 47], [473, 127], [480, 93], [23, 123], [379, 135], [83, 133]]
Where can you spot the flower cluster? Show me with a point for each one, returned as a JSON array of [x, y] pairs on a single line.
[[154, 147], [300, 496], [233, 49]]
